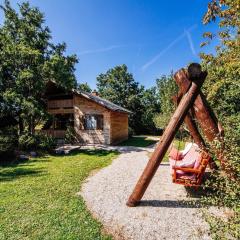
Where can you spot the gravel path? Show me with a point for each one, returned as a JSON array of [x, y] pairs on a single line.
[[163, 213]]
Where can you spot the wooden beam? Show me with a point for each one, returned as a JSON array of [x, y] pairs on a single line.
[[204, 115], [190, 123], [167, 137]]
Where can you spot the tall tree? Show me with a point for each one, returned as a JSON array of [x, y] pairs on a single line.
[[222, 85], [151, 105], [223, 92], [166, 88], [84, 87], [118, 86], [27, 61]]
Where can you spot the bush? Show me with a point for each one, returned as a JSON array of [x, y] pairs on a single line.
[[8, 141], [130, 132], [46, 142], [71, 136], [225, 190], [28, 142], [37, 141]]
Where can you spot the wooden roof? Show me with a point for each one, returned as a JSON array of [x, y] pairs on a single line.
[[103, 102], [52, 89]]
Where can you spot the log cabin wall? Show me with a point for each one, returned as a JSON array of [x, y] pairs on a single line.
[[60, 106], [119, 127], [114, 125], [83, 106]]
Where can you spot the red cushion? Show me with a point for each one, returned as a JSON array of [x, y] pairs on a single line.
[[175, 154]]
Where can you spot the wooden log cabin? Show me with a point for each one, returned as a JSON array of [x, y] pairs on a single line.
[[95, 120]]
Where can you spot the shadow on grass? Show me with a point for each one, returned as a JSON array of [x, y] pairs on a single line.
[[12, 174], [90, 152], [12, 163], [195, 193], [138, 142]]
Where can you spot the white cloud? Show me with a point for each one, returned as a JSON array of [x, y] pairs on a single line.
[[176, 40], [190, 41], [100, 50]]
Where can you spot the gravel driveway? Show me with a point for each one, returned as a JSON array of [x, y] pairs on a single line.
[[165, 212]]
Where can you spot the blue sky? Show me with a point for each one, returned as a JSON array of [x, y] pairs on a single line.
[[151, 37]]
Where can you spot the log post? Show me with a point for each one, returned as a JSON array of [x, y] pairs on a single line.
[[190, 123], [204, 114], [167, 137]]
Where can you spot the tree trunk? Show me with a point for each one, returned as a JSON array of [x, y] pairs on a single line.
[[21, 126]]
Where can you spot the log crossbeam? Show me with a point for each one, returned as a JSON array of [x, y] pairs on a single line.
[[192, 101], [167, 137]]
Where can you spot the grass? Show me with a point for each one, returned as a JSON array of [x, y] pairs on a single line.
[[39, 197], [177, 144], [138, 142]]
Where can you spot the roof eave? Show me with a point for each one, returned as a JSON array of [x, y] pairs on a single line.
[[83, 94]]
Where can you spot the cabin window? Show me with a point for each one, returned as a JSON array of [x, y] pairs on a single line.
[[62, 121], [93, 122]]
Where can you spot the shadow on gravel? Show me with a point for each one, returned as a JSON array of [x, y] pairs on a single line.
[[169, 204]]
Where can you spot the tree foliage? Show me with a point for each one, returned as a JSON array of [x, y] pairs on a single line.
[[166, 89], [118, 86], [151, 105], [84, 87], [27, 61], [222, 88]]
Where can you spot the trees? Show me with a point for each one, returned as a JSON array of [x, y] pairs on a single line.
[[84, 87], [118, 86], [151, 105], [166, 88], [222, 85], [222, 89], [27, 61]]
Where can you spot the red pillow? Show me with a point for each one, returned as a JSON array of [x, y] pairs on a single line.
[[175, 154]]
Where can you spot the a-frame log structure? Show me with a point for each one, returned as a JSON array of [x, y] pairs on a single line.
[[192, 104], [205, 116]]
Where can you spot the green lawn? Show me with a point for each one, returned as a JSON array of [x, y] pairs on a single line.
[[39, 197], [138, 142], [177, 144]]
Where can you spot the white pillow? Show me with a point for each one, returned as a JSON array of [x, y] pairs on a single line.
[[186, 149]]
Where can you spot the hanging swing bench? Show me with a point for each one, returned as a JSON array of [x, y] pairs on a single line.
[[188, 166]]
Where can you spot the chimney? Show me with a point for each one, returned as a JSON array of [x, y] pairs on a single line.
[[95, 93]]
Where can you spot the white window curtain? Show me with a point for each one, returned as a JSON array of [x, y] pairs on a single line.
[[91, 122]]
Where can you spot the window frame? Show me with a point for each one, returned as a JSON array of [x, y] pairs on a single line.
[[99, 121]]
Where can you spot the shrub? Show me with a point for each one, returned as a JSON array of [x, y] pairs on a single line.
[[46, 142], [71, 136], [130, 132], [28, 142], [8, 141], [225, 190], [36, 141]]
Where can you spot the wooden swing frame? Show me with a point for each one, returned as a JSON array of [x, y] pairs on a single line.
[[193, 104]]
